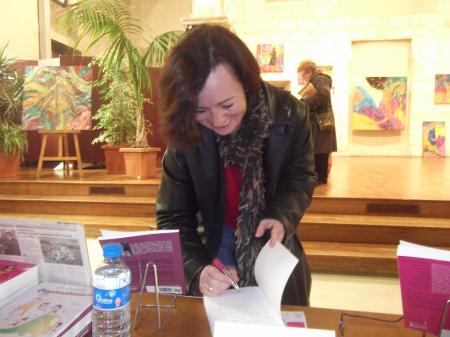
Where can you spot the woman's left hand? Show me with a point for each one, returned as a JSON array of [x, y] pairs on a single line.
[[276, 228]]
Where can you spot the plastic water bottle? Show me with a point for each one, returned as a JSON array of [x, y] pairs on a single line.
[[111, 283]]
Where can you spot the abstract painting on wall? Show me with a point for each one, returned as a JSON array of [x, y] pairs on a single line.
[[270, 57], [57, 98], [433, 139], [327, 70], [442, 89], [379, 103]]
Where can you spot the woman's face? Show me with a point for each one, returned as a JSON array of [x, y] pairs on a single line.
[[221, 103], [303, 77]]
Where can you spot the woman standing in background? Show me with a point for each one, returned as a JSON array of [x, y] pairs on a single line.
[[317, 94]]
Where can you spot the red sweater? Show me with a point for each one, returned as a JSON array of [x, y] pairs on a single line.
[[233, 182]]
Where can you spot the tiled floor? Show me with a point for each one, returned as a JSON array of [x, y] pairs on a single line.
[[362, 293]]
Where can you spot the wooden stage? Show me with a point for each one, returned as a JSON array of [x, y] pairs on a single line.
[[352, 226]]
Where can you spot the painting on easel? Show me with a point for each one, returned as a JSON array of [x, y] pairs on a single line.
[[57, 98]]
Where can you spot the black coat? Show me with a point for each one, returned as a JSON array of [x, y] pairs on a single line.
[[192, 191], [324, 141]]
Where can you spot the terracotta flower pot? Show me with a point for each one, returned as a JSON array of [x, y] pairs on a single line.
[[115, 163], [140, 162], [9, 166]]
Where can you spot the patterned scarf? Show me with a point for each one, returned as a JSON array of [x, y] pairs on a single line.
[[244, 149]]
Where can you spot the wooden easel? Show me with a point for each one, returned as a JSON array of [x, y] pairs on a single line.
[[63, 149]]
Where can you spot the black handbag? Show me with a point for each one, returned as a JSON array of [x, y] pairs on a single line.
[[325, 120]]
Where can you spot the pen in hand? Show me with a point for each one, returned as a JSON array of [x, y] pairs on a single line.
[[217, 263]]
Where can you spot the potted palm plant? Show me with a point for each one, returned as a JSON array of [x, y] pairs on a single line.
[[13, 141], [115, 117], [111, 20]]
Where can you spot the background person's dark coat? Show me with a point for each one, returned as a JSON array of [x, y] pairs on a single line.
[[319, 102]]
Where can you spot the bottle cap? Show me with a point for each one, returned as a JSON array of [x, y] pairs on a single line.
[[112, 250]]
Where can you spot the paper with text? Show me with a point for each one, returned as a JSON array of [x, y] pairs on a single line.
[[261, 304], [58, 248]]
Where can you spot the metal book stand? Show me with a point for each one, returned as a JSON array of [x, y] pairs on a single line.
[[444, 318], [158, 305]]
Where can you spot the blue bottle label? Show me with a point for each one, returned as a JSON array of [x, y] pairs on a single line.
[[111, 299]]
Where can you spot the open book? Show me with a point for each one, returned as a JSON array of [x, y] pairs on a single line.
[[254, 307], [425, 286], [61, 303], [162, 247]]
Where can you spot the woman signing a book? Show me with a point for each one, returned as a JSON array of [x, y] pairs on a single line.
[[239, 167]]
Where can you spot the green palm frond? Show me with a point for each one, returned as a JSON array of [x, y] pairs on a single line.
[[159, 47], [13, 141], [110, 19], [10, 88]]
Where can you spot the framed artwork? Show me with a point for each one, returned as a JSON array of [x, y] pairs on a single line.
[[57, 98], [434, 139], [379, 103], [442, 89], [327, 70], [270, 57]]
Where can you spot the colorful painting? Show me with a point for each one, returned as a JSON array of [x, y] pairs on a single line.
[[442, 89], [433, 139], [379, 103], [270, 57], [57, 98], [327, 70]]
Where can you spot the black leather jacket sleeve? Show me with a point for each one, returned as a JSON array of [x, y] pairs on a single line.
[[296, 178], [176, 208]]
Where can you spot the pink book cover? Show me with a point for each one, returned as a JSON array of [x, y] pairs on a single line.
[[11, 269], [425, 288], [161, 247]]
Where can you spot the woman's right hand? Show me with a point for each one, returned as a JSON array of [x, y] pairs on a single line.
[[213, 282]]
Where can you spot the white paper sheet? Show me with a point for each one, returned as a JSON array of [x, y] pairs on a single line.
[[227, 329], [273, 267], [406, 248], [257, 305], [246, 306]]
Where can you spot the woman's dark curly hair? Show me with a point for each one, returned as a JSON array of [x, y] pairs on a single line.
[[186, 71]]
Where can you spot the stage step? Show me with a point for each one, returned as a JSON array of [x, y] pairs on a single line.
[[93, 224], [131, 188], [85, 205], [382, 206], [374, 229], [351, 258]]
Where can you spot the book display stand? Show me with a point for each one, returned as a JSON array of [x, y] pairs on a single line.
[[157, 305], [444, 318]]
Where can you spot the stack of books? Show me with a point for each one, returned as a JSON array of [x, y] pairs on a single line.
[[15, 277]]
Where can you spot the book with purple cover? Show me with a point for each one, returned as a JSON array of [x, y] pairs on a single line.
[[425, 286], [162, 247], [16, 276]]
